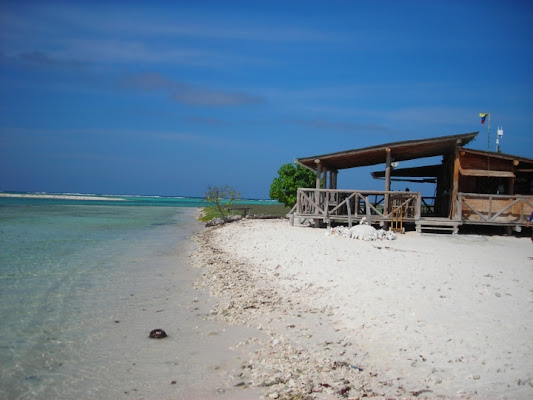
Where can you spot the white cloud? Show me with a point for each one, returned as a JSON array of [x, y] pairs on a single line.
[[185, 93]]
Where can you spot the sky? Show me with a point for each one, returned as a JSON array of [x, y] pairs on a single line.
[[168, 98]]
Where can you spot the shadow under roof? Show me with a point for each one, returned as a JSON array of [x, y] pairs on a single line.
[[400, 151]]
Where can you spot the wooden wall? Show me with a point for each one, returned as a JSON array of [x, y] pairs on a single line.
[[477, 161]]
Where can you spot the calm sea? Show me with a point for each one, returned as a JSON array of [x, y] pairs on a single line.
[[74, 278]]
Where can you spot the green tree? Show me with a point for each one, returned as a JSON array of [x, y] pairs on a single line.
[[290, 178], [221, 195]]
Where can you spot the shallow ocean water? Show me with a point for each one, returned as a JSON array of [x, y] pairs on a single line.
[[81, 287]]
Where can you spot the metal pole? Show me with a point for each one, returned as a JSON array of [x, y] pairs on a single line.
[[488, 134]]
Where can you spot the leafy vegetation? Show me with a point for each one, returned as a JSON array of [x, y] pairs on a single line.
[[291, 177], [221, 195], [275, 210]]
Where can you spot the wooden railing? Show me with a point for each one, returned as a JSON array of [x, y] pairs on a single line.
[[494, 209], [383, 206], [351, 205]]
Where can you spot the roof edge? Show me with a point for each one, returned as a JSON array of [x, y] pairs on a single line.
[[465, 137]]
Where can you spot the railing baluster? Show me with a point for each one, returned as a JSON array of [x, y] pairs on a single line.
[[477, 208]]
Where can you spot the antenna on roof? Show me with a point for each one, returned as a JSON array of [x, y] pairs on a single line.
[[498, 136]]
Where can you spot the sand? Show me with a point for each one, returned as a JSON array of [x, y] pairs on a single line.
[[422, 316]]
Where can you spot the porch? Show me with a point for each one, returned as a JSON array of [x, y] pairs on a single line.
[[394, 209]]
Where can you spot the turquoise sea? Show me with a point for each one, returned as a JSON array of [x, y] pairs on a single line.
[[74, 277]]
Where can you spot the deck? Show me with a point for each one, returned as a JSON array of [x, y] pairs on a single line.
[[395, 209]]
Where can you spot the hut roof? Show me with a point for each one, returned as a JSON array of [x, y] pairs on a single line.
[[502, 156], [400, 151]]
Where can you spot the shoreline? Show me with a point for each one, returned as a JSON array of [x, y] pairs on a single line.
[[424, 316], [59, 196], [82, 296]]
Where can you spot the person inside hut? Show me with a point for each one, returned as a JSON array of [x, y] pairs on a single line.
[[529, 222]]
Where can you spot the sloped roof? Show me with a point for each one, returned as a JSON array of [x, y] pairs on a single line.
[[503, 156], [400, 151]]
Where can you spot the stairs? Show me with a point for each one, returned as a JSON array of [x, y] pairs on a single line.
[[437, 224]]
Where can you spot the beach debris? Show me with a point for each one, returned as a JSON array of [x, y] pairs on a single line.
[[222, 221], [362, 232], [341, 231], [383, 234], [419, 392], [344, 391], [157, 334], [216, 222]]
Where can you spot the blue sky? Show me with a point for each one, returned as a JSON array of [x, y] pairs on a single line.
[[167, 98]]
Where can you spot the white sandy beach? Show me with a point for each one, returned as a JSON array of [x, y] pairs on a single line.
[[423, 316]]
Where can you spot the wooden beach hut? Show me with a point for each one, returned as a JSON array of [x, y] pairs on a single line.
[[472, 187]]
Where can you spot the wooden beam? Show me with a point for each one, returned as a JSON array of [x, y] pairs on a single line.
[[484, 172], [368, 211], [455, 186], [318, 173], [317, 192], [388, 160], [349, 208]]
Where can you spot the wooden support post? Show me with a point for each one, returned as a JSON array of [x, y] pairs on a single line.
[[348, 206], [418, 207], [318, 173], [388, 161], [368, 211], [317, 192], [455, 187]]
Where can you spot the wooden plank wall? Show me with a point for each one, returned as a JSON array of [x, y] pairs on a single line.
[[477, 161]]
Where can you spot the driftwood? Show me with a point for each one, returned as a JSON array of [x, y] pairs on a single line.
[[222, 221]]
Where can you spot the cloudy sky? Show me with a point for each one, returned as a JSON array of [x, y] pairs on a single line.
[[166, 98]]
